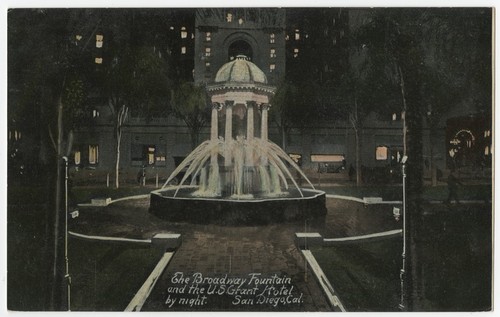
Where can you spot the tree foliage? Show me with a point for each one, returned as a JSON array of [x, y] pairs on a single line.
[[190, 104], [431, 59], [134, 72]]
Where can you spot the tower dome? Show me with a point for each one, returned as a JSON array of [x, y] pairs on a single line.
[[241, 70]]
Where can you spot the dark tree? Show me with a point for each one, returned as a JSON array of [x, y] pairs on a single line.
[[403, 49], [48, 87], [190, 104]]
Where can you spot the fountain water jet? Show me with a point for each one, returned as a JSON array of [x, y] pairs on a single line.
[[238, 180]]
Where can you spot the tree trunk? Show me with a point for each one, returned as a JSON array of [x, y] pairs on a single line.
[[354, 118], [120, 120], [414, 287], [433, 169], [433, 164], [117, 165], [359, 179], [56, 273]]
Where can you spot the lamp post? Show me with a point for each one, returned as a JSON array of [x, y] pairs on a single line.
[[66, 260], [402, 274]]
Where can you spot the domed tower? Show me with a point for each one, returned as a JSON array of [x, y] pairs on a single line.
[[238, 161], [241, 95], [224, 33]]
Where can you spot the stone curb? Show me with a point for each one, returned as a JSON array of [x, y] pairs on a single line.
[[322, 280], [143, 293]]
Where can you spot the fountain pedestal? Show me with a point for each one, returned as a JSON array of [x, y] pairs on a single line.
[[242, 178], [256, 211]]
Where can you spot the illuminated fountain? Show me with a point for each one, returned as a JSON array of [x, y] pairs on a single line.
[[243, 179]]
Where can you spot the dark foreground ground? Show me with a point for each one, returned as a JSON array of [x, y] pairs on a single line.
[[455, 249], [454, 254]]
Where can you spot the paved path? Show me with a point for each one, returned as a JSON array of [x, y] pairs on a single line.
[[238, 251]]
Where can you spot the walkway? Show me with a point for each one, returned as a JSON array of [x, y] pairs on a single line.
[[237, 251]]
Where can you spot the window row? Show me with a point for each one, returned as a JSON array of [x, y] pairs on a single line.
[[147, 154], [91, 155], [230, 18]]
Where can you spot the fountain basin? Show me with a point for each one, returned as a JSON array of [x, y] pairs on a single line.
[[225, 211]]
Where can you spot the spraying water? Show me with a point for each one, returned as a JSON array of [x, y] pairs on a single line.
[[257, 168]]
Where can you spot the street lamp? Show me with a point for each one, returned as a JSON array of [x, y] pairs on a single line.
[[66, 260], [402, 273]]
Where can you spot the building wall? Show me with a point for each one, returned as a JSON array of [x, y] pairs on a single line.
[[172, 139], [255, 28], [212, 29]]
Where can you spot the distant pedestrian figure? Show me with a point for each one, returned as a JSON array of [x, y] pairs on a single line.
[[453, 183], [141, 175], [439, 174], [351, 172]]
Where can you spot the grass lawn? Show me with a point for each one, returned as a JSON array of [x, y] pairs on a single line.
[[440, 193], [27, 258], [38, 195], [106, 275], [453, 252], [28, 263], [85, 194], [364, 275]]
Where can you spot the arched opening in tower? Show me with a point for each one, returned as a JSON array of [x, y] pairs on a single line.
[[240, 47]]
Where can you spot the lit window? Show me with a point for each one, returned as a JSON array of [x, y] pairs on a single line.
[[171, 28], [93, 154], [208, 36], [487, 133], [151, 154], [272, 67], [208, 51], [240, 21], [78, 157], [486, 150], [98, 40], [272, 38], [297, 35], [295, 52], [184, 33], [98, 60], [297, 158], [330, 158], [381, 153], [183, 50], [394, 117], [207, 64], [287, 37], [273, 53], [78, 37], [95, 113], [229, 17], [17, 135]]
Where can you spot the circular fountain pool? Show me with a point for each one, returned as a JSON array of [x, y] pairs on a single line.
[[185, 207]]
